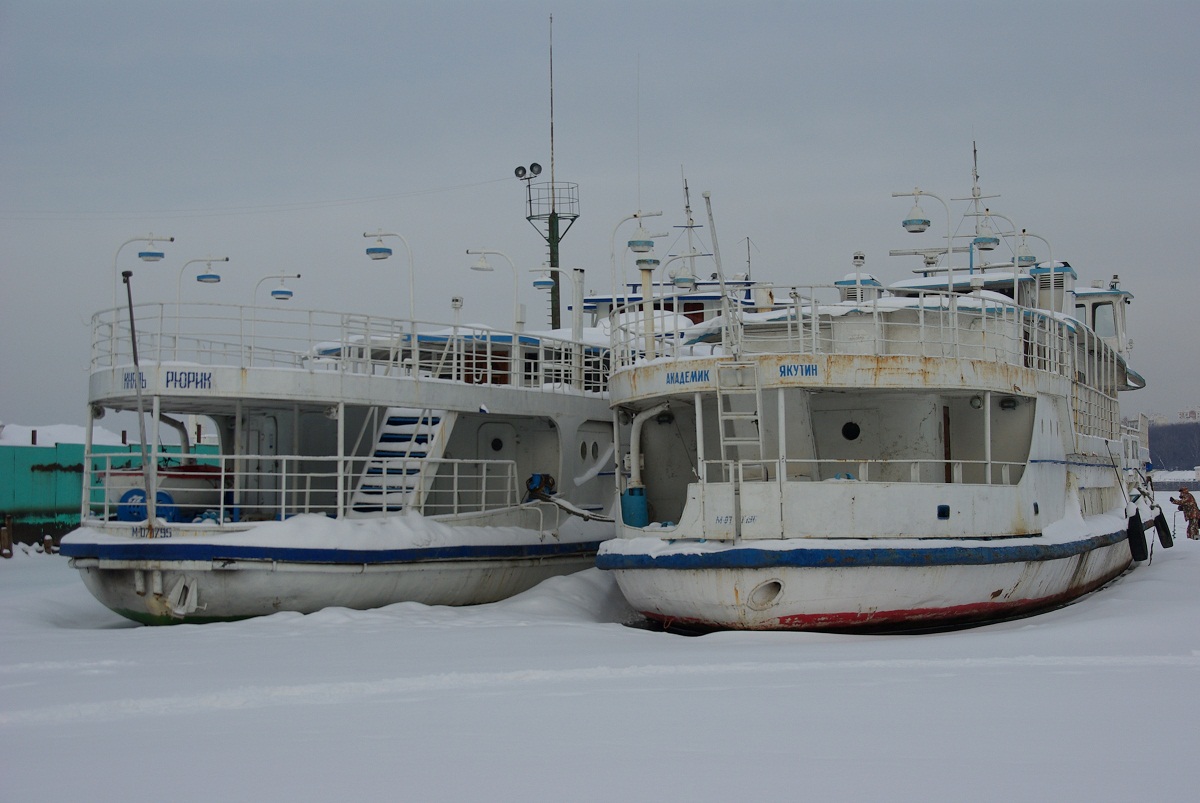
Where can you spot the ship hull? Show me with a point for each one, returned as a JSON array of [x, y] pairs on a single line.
[[178, 583], [803, 584]]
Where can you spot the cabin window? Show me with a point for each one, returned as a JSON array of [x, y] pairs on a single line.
[[851, 431], [1104, 320]]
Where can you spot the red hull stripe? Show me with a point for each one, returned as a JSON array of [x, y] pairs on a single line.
[[850, 620]]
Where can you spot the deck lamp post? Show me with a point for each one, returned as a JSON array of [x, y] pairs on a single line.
[[545, 282], [280, 293], [682, 280], [1050, 261], [208, 277], [640, 243], [484, 266], [1024, 257], [916, 222], [379, 251], [150, 254]]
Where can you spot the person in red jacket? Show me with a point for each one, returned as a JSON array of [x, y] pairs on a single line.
[[1187, 503]]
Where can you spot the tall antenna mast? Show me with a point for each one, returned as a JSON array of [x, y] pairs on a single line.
[[691, 223], [639, 130], [974, 181], [543, 203], [748, 243], [551, 112]]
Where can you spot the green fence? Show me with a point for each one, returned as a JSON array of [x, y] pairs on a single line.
[[41, 487]]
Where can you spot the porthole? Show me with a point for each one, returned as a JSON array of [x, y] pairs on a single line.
[[595, 450], [851, 431], [764, 595], [583, 450], [497, 444]]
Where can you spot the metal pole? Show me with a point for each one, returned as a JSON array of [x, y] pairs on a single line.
[[85, 506], [553, 240], [726, 328], [147, 468], [577, 327], [987, 434]]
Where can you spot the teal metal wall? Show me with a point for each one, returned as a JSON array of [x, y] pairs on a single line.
[[43, 485]]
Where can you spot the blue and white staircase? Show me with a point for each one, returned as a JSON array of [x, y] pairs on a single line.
[[402, 466]]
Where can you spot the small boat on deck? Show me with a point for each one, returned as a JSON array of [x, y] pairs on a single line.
[[361, 461], [945, 451]]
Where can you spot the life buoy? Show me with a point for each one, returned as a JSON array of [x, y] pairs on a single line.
[[1136, 534], [1164, 532]]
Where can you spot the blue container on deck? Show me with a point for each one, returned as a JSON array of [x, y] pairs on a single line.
[[634, 511], [132, 506]]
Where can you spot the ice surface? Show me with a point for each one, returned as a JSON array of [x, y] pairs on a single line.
[[548, 697]]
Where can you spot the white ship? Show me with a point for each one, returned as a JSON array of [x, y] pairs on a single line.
[[362, 461], [944, 451]]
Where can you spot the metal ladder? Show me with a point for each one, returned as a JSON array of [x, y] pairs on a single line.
[[739, 400]]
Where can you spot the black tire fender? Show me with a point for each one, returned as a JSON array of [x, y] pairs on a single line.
[[1136, 533], [1164, 532]]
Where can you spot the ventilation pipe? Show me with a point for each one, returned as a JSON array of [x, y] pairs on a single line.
[[185, 444], [634, 511]]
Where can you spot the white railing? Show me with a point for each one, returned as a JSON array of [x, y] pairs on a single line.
[[312, 340], [931, 324], [434, 486], [251, 488], [970, 472]]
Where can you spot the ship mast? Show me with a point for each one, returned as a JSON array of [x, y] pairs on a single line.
[[549, 204]]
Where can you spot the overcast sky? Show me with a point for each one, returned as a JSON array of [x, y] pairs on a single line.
[[276, 133]]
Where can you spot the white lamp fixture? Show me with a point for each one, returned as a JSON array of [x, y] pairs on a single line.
[[916, 222], [483, 266], [684, 280], [379, 250]]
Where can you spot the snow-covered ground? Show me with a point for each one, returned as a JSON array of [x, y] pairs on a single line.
[[548, 697]]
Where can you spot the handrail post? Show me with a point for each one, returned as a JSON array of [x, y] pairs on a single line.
[[987, 434]]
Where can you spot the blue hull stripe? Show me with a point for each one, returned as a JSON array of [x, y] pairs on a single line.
[[824, 557], [180, 549]]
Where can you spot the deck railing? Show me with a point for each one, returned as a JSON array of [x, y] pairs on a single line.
[[239, 489], [313, 340], [930, 324], [977, 472]]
